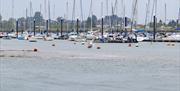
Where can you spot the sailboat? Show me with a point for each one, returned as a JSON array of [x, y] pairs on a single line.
[[90, 35], [48, 37], [73, 35], [31, 38]]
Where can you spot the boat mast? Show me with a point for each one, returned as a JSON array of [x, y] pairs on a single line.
[[73, 16], [40, 21], [165, 11], [45, 16], [91, 15], [102, 9], [134, 14], [30, 15], [116, 13], [109, 17], [153, 17], [147, 15], [82, 15], [54, 7], [1, 17], [67, 14], [154, 9], [49, 15], [178, 16], [13, 14], [123, 11]]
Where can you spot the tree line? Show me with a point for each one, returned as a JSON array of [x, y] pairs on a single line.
[[26, 23]]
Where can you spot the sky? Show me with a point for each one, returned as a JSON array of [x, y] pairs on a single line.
[[60, 8]]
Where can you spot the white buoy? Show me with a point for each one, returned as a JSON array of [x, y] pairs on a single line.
[[137, 45]]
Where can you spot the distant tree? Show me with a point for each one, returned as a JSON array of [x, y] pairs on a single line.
[[38, 18], [160, 23], [94, 21], [12, 23], [172, 23], [0, 17], [22, 22], [59, 19]]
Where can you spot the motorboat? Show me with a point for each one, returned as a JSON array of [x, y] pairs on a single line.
[[72, 36], [32, 39], [48, 38]]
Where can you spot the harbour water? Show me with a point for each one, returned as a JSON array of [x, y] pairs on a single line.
[[73, 67]]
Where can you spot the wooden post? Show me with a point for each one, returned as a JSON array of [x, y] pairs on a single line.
[[17, 31], [61, 27], [102, 25], [34, 28], [47, 27], [77, 26], [154, 29]]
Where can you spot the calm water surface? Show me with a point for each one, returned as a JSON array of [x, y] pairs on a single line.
[[74, 67]]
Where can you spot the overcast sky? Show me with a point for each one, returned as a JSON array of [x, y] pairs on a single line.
[[60, 8]]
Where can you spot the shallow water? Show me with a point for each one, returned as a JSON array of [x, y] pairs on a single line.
[[74, 67]]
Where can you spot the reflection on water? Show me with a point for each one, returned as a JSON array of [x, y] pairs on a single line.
[[74, 67]]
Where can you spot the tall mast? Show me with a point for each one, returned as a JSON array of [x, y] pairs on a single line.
[[147, 14], [165, 15], [54, 7], [134, 13], [123, 15], [45, 9], [91, 14], [0, 16], [0, 8], [40, 21], [67, 14], [82, 14], [73, 14], [49, 10], [154, 9], [12, 9], [13, 14], [179, 13], [116, 13], [30, 16], [102, 9], [49, 14]]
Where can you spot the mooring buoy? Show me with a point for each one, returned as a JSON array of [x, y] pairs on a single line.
[[98, 47], [35, 50], [129, 45], [168, 44], [53, 45], [137, 45], [172, 44], [90, 46]]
